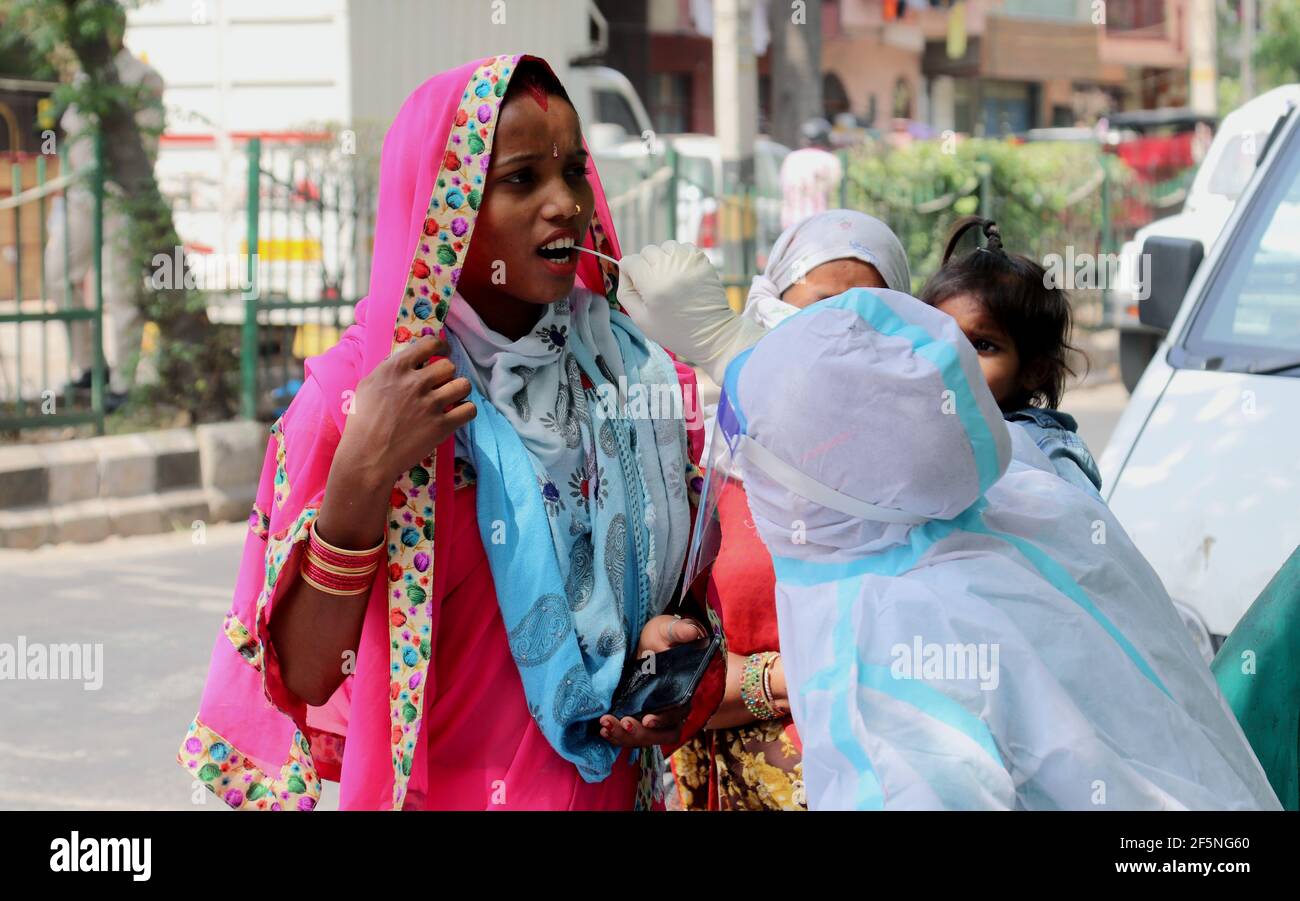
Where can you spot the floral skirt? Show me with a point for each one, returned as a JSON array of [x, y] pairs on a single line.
[[757, 766]]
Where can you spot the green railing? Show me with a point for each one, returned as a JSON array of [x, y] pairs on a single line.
[[31, 397], [1091, 205], [309, 225], [308, 232], [301, 291]]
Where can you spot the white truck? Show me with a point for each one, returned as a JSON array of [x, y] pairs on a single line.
[[1202, 469], [1219, 181]]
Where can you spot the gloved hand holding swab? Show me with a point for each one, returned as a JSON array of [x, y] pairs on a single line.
[[673, 293]]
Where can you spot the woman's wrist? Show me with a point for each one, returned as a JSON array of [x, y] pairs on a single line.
[[358, 466], [353, 508]]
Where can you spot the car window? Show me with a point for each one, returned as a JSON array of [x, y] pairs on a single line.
[[612, 106], [1252, 312]]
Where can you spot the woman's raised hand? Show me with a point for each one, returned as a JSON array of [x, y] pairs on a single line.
[[403, 410]]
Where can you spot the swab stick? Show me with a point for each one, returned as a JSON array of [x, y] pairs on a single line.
[[596, 253]]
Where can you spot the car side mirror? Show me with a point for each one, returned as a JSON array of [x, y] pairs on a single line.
[[1172, 266]]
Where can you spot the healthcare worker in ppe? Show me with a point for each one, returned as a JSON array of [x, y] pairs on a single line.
[[961, 628]]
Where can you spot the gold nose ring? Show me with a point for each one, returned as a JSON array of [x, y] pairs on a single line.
[[578, 208]]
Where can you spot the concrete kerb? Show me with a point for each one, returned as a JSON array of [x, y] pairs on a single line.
[[150, 482], [231, 455]]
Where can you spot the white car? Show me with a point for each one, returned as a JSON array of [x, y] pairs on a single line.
[[1203, 468], [1219, 181]]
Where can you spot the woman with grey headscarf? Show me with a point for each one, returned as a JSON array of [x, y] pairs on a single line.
[[822, 256], [819, 257], [748, 757]]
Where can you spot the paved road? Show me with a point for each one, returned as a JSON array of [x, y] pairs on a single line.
[[155, 603], [1097, 407]]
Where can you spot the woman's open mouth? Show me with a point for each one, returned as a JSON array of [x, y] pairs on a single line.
[[559, 255]]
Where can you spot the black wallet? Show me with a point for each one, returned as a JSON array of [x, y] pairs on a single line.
[[666, 681]]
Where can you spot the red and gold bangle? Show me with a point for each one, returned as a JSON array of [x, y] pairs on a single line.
[[753, 692], [341, 570], [341, 557], [336, 570], [342, 584]]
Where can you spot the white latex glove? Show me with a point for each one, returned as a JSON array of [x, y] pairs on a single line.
[[673, 293]]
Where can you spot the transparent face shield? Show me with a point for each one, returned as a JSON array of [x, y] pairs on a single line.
[[721, 471]]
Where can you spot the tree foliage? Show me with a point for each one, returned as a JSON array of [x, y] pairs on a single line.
[[195, 370], [1045, 196], [1277, 51]]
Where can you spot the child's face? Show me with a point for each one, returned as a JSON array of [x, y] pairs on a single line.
[[997, 352], [832, 278], [535, 185]]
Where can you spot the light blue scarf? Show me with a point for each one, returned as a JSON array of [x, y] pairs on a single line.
[[581, 556]]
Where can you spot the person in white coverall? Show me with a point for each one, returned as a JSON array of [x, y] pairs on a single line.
[[961, 628]]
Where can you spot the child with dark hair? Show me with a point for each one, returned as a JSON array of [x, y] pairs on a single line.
[[1020, 328]]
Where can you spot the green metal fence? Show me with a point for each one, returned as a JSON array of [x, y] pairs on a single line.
[[1090, 207], [309, 229], [38, 314], [308, 232], [310, 211]]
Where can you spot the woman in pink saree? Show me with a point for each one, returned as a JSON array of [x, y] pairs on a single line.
[[477, 671]]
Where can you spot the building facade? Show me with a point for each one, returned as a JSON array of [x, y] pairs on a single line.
[[982, 67]]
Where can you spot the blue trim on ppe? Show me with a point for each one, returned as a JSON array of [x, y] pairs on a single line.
[[931, 702], [1065, 583], [868, 795], [891, 562], [904, 557], [916, 693], [728, 419]]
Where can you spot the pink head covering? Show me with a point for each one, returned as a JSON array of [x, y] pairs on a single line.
[[432, 131], [273, 755]]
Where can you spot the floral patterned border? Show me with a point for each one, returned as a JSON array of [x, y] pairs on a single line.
[[259, 522], [281, 474], [448, 228], [248, 647], [240, 783]]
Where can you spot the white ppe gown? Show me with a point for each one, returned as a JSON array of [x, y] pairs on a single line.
[[960, 627]]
